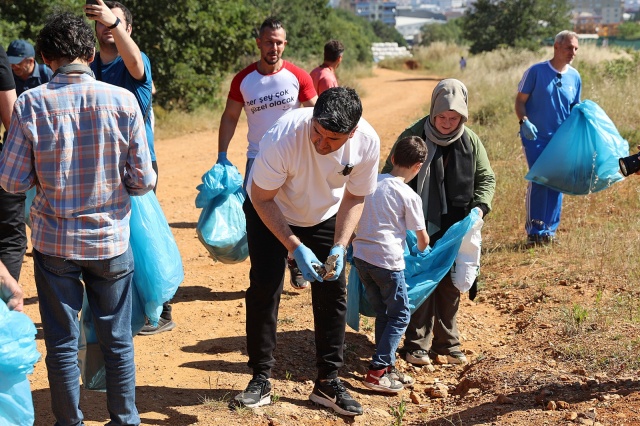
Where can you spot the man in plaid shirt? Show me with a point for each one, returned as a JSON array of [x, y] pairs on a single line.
[[82, 143]]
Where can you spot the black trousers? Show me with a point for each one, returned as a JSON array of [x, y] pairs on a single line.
[[13, 235], [266, 280]]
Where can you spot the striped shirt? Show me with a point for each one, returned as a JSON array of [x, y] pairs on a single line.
[[83, 144]]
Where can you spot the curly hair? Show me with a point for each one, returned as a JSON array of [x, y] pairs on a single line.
[[66, 36]]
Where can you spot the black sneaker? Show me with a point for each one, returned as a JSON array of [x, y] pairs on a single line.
[[333, 394], [163, 325], [257, 393], [295, 276]]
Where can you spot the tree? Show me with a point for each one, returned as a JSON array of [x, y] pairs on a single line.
[[450, 32], [489, 24], [388, 33]]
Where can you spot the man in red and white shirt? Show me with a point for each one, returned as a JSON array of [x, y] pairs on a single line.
[[266, 89]]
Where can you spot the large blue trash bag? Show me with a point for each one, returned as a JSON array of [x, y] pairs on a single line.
[[421, 274], [18, 354], [582, 156], [30, 195], [158, 266], [222, 226], [90, 357]]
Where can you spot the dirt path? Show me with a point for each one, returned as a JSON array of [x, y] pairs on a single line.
[[184, 376]]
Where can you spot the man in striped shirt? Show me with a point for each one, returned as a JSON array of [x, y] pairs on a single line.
[[82, 143]]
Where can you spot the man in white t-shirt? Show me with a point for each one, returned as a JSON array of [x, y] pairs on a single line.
[[306, 194]]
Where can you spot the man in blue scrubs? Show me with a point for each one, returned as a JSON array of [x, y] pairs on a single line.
[[547, 92]]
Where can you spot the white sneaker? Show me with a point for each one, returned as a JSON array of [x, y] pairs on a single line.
[[418, 357]]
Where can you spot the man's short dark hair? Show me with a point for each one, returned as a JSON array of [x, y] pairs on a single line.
[[333, 49], [117, 5], [409, 151], [271, 23], [338, 110], [66, 36]]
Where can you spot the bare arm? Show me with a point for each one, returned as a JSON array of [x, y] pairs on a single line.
[[423, 239], [228, 124], [348, 217], [127, 48], [521, 110], [311, 102], [10, 291], [7, 99], [264, 202]]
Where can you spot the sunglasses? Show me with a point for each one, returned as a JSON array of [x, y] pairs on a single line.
[[559, 82]]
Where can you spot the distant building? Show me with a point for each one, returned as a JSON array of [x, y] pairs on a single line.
[[376, 10], [604, 12]]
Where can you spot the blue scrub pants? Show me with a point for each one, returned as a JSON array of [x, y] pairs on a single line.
[[543, 204]]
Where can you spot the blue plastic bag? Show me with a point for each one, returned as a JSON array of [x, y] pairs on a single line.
[[18, 354], [421, 274], [30, 195], [90, 357], [158, 266], [222, 226], [582, 156]]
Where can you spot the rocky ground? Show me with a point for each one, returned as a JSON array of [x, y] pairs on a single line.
[[515, 376]]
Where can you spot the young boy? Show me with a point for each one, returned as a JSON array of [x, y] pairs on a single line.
[[378, 251]]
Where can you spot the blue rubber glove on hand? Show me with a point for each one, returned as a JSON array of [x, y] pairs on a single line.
[[529, 130], [419, 253], [305, 259], [222, 159], [339, 262]]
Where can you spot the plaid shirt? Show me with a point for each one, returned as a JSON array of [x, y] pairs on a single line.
[[83, 144]]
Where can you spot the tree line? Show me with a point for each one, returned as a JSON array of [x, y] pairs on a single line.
[[194, 44]]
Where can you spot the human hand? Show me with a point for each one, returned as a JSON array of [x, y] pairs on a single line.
[[222, 159], [337, 250], [419, 253], [97, 10], [306, 259], [10, 291], [479, 210], [529, 130]]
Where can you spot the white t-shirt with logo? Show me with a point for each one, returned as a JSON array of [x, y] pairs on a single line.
[[312, 185], [388, 213], [266, 98]]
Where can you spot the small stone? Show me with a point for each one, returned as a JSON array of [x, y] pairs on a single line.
[[551, 406], [519, 308], [563, 405], [571, 416], [503, 399], [415, 398], [580, 371]]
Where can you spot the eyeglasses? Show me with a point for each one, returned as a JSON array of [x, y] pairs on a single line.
[[559, 82]]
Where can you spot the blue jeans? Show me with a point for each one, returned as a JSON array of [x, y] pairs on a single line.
[[109, 292], [387, 293]]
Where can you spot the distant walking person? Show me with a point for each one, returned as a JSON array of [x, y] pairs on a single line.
[[463, 63], [80, 214], [266, 89], [324, 76], [547, 92]]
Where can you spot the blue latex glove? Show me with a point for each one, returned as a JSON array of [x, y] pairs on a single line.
[[305, 259], [529, 130], [222, 159], [419, 253], [339, 262]]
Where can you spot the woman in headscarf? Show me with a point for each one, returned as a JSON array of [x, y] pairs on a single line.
[[455, 178]]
